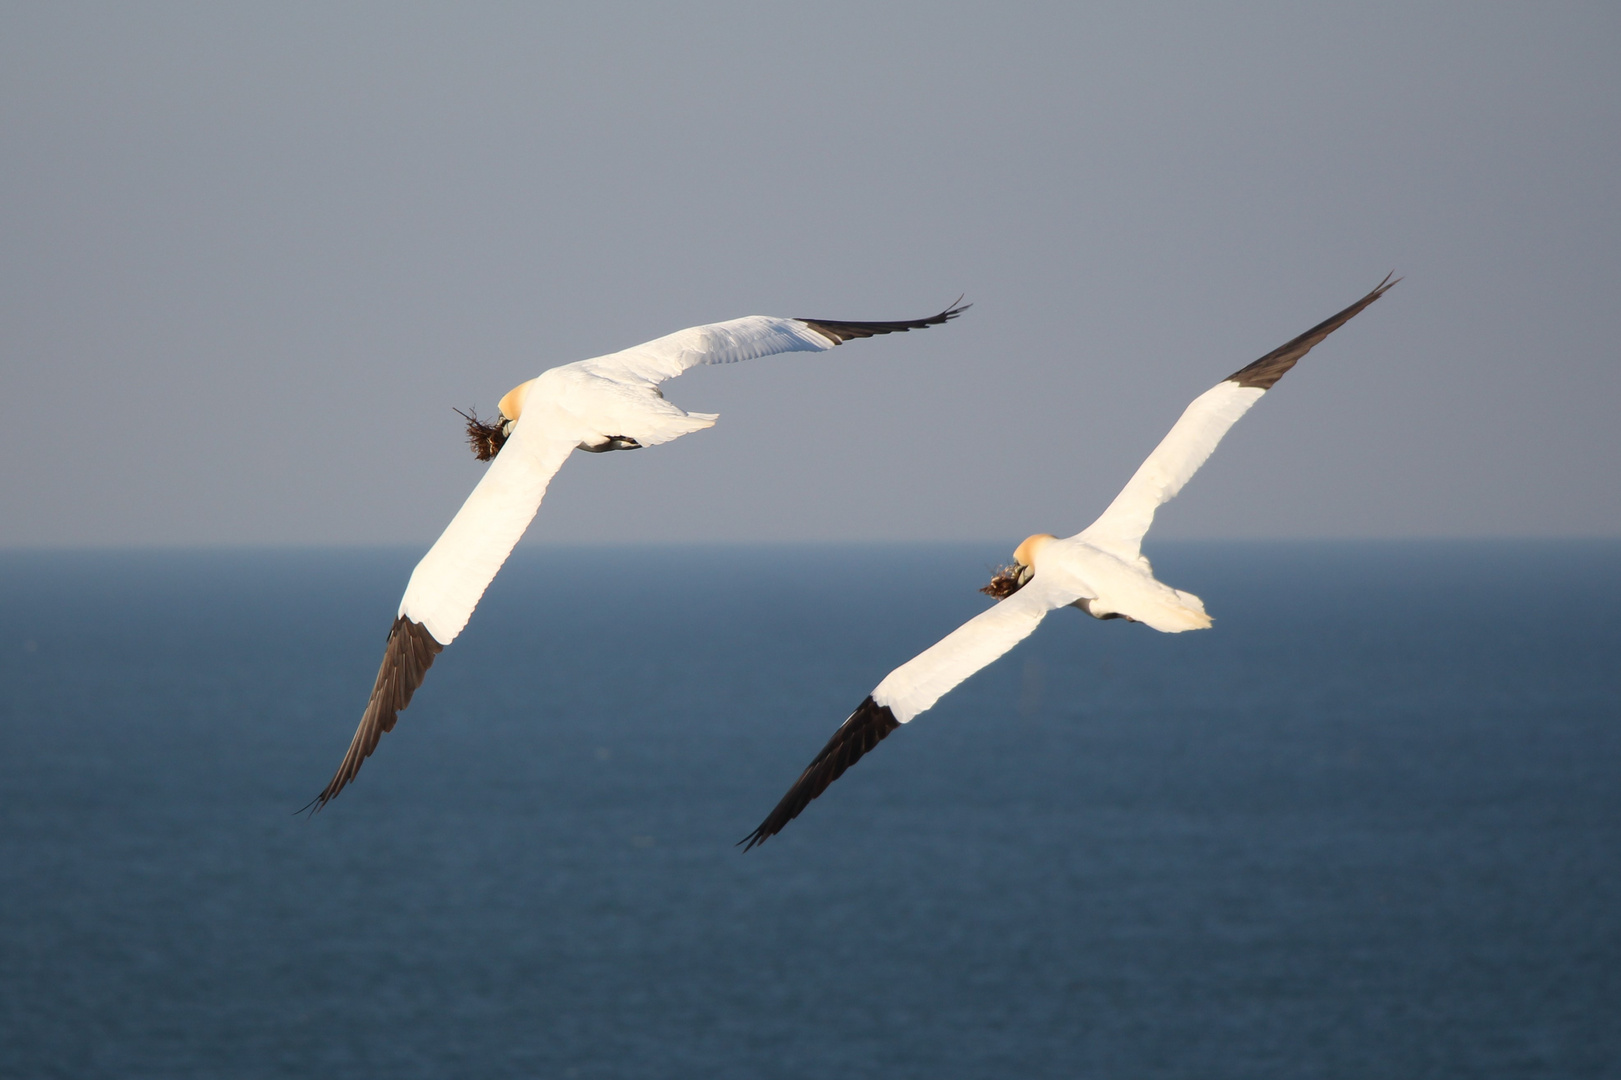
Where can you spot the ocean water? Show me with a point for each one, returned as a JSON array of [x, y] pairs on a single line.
[[1368, 826]]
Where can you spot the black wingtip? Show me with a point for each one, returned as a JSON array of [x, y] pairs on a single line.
[[839, 331], [317, 804], [407, 657], [865, 729], [1264, 373]]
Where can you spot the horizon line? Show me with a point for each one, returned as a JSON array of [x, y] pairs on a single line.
[[621, 543]]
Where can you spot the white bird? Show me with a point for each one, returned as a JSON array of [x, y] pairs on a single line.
[[1100, 570], [606, 403]]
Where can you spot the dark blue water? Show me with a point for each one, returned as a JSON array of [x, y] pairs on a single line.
[[1370, 825]]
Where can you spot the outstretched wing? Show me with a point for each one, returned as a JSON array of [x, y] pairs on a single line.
[[748, 338], [913, 688], [447, 584], [1120, 528]]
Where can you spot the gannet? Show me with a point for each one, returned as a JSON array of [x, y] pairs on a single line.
[[1100, 570], [607, 403]]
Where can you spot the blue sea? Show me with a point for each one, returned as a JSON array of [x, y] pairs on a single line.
[[1367, 826]]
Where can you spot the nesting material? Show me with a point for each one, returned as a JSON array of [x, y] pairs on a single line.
[[1004, 584], [486, 439]]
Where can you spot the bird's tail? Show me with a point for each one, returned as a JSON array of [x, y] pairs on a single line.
[[1170, 612], [673, 425]]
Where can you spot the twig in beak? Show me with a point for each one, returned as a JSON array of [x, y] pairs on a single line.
[[485, 439], [1006, 582]]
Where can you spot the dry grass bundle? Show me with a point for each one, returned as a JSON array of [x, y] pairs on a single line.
[[486, 439], [1004, 584]]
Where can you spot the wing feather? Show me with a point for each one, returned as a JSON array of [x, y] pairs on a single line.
[[865, 729], [406, 659], [748, 338]]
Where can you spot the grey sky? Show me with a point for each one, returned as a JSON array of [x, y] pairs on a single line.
[[252, 256]]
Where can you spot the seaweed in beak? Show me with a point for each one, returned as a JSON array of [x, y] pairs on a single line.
[[1008, 580], [485, 438]]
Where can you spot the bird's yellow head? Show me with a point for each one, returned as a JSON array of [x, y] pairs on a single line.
[[511, 405], [1026, 553]]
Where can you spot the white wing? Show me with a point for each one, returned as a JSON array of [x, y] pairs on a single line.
[[914, 687], [447, 584], [748, 338], [1119, 529]]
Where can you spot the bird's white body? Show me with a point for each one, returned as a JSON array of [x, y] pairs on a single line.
[[609, 402], [1100, 570], [1109, 586], [1070, 572]]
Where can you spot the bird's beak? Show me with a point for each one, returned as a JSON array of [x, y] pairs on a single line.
[[1025, 573]]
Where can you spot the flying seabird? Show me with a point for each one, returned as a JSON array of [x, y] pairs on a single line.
[[606, 403], [1100, 570]]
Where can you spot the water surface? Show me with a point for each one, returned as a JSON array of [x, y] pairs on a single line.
[[1369, 825]]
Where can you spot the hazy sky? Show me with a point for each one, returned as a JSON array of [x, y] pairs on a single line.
[[252, 256]]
